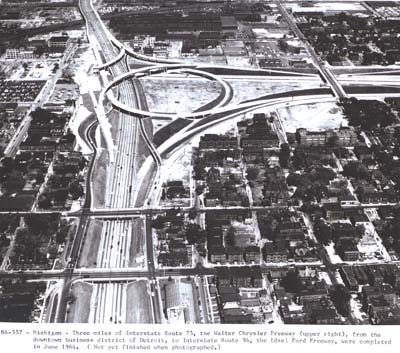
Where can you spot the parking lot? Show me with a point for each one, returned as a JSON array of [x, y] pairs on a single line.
[[64, 91], [20, 91]]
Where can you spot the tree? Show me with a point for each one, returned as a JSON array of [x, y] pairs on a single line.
[[355, 170], [322, 231], [44, 202], [158, 223], [194, 234], [230, 185], [395, 174], [192, 213], [245, 201], [341, 298], [199, 169], [333, 141], [4, 241], [199, 189], [56, 67], [284, 155], [292, 282], [8, 222], [230, 237], [323, 174], [62, 234], [40, 178], [8, 164], [13, 183], [68, 74], [25, 66], [41, 224], [75, 189], [82, 163], [252, 173], [25, 246], [368, 114], [60, 196]]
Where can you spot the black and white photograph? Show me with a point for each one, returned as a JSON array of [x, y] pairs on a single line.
[[200, 162]]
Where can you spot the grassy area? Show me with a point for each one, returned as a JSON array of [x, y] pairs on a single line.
[[148, 126], [53, 311], [91, 246], [313, 116], [138, 309], [114, 119], [142, 152], [177, 95], [248, 89], [78, 311], [167, 131], [69, 240], [136, 251], [142, 193], [86, 122], [100, 179]]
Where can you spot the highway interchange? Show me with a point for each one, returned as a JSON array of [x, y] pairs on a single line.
[[116, 237], [134, 180]]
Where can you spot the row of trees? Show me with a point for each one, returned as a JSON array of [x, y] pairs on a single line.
[[339, 294], [11, 177], [32, 241], [74, 190], [367, 114]]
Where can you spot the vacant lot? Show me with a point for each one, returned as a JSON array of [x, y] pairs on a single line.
[[250, 88], [138, 308], [316, 116], [138, 241], [79, 310], [91, 246], [115, 122], [179, 95], [83, 60], [100, 179]]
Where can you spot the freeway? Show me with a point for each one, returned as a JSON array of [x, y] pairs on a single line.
[[109, 301], [116, 235]]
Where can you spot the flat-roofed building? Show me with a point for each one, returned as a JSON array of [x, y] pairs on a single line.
[[20, 54]]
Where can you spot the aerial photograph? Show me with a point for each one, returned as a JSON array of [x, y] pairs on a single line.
[[200, 162]]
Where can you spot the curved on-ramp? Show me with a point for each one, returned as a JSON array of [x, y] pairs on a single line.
[[225, 96]]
